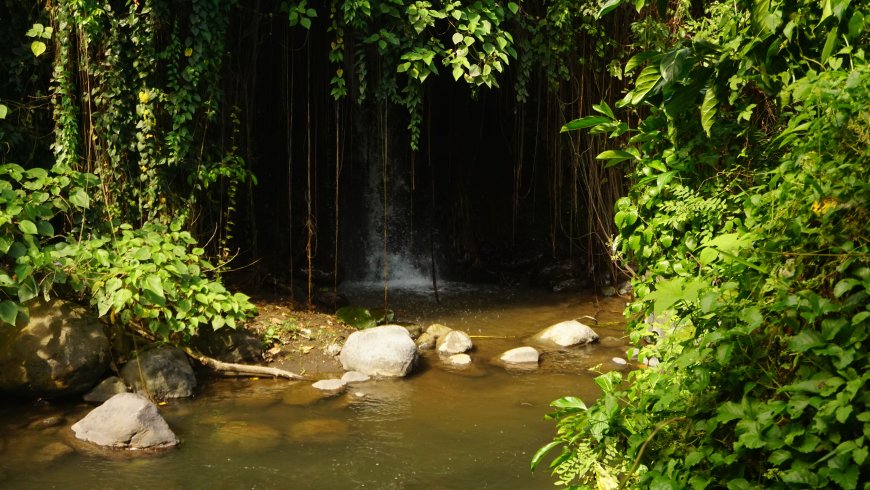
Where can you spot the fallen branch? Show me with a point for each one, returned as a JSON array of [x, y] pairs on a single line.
[[226, 368], [233, 369]]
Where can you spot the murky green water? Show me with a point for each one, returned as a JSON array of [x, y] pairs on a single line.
[[438, 429]]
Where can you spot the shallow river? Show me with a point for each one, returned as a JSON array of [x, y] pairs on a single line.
[[438, 429]]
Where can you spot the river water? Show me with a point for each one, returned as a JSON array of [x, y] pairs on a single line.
[[440, 428]]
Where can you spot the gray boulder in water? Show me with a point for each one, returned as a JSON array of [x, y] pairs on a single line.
[[567, 334], [61, 350], [161, 372], [126, 421], [455, 342], [387, 350]]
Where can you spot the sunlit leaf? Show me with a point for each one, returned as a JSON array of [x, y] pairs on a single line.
[[708, 109]]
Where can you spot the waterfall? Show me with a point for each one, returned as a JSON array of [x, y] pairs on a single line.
[[403, 260]]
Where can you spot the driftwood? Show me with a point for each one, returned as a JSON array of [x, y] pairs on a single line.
[[233, 369], [227, 368]]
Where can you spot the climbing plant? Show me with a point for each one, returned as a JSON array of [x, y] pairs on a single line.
[[747, 228]]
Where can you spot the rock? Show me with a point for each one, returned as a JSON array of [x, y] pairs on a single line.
[[318, 430], [61, 350], [331, 385], [620, 361], [355, 377], [163, 372], [624, 288], [429, 339], [107, 388], [567, 334], [247, 437], [333, 349], [414, 329], [459, 360], [229, 345], [426, 341], [612, 341], [381, 351], [455, 342], [608, 291], [304, 395], [652, 362], [521, 355], [437, 330], [46, 422], [126, 421], [51, 453]]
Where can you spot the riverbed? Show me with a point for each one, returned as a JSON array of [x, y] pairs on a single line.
[[441, 428]]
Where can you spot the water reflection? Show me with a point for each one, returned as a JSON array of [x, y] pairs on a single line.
[[440, 428]]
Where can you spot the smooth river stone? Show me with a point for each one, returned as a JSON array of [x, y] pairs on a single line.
[[247, 436], [455, 342], [330, 385], [567, 334], [459, 360], [318, 430], [521, 355], [126, 421], [387, 350], [355, 377]]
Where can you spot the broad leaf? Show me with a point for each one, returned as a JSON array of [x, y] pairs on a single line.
[[608, 7], [585, 122], [646, 81], [38, 47], [27, 226], [708, 109], [8, 312]]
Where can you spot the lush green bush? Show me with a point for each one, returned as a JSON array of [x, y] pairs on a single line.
[[152, 277], [749, 227]]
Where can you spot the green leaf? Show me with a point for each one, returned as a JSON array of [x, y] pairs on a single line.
[[356, 316], [38, 47], [27, 290], [585, 122], [8, 312], [27, 226], [44, 228], [806, 340], [639, 59], [540, 453], [154, 285], [845, 286], [608, 7], [708, 109], [513, 7], [646, 81], [615, 156], [79, 198], [671, 66], [569, 402], [830, 44], [3, 111], [305, 22]]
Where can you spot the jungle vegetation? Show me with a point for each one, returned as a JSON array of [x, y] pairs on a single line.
[[746, 230], [719, 150]]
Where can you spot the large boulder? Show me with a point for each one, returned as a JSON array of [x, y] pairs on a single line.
[[61, 350], [107, 388], [126, 421], [387, 350], [162, 373], [229, 345], [566, 334]]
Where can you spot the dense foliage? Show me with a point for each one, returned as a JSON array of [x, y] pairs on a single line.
[[132, 115], [749, 229]]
